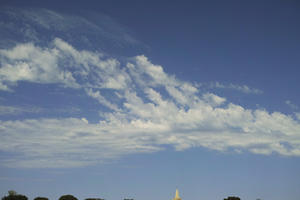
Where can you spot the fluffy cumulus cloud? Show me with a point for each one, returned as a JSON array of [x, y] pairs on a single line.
[[146, 109]]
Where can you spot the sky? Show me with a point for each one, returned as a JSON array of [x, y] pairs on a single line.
[[133, 99]]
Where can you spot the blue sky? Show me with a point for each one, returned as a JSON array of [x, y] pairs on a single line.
[[129, 99]]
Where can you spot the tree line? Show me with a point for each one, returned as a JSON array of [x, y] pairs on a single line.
[[12, 195]]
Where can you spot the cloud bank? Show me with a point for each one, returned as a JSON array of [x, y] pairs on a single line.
[[146, 110]]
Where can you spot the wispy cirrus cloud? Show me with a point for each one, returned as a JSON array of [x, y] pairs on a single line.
[[18, 110], [298, 115], [146, 109], [39, 25], [13, 110], [291, 105], [241, 88]]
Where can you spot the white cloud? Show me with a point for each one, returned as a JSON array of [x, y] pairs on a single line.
[[148, 108], [26, 62], [242, 88], [298, 115], [4, 87], [291, 105], [85, 120], [13, 110], [33, 23], [213, 99], [71, 142], [101, 99], [61, 64]]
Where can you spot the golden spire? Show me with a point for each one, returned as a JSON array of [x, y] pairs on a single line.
[[177, 196]]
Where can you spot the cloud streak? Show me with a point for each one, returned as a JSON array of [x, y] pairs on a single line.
[[12, 110], [291, 105], [241, 88], [146, 110], [92, 30]]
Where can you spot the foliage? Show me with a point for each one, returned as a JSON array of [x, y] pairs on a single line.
[[12, 195], [67, 197], [233, 198], [41, 198], [94, 199]]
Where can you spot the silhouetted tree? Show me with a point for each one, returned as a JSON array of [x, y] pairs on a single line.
[[12, 195], [67, 197], [94, 199], [41, 198], [233, 198]]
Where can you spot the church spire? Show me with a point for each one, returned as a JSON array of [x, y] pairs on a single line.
[[177, 195]]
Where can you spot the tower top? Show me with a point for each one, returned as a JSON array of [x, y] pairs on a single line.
[[177, 195]]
